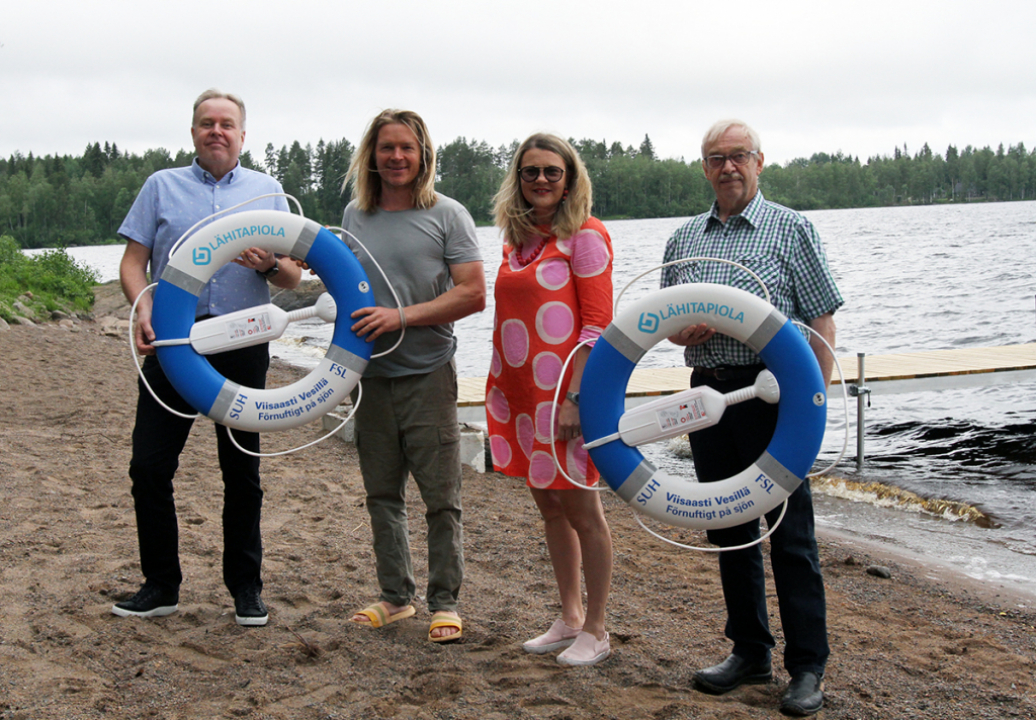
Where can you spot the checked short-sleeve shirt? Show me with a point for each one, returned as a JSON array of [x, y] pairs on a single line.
[[778, 244]]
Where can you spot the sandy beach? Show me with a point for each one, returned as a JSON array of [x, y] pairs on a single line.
[[907, 646]]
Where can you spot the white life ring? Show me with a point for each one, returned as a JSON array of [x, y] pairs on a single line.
[[193, 265], [801, 418]]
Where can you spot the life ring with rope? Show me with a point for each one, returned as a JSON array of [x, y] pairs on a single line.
[[191, 267], [801, 419]]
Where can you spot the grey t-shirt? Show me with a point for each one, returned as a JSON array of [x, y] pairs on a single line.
[[415, 249]]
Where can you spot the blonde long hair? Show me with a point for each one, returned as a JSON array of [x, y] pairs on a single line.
[[364, 176], [512, 212]]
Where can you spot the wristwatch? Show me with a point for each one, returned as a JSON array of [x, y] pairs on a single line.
[[573, 396], [272, 272]]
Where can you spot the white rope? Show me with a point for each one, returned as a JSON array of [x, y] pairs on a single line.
[[183, 341], [136, 363], [399, 303], [784, 505]]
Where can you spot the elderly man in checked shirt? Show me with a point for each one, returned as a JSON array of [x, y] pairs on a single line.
[[784, 250]]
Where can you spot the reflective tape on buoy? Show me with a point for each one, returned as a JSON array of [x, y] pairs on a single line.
[[801, 418], [190, 269]]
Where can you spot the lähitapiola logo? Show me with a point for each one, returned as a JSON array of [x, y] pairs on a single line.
[[648, 322], [202, 256]]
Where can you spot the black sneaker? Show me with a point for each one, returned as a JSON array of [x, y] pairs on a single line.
[[250, 608], [150, 601]]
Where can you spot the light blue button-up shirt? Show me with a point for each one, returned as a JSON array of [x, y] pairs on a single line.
[[173, 200]]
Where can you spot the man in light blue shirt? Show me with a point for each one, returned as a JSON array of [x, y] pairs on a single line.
[[170, 204]]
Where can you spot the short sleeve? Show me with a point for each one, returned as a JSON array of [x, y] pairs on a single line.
[[592, 261], [141, 222]]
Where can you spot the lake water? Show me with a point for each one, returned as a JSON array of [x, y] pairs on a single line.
[[914, 279]]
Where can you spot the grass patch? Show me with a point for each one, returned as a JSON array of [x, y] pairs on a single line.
[[43, 283]]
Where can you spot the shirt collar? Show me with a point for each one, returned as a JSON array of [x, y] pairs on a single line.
[[750, 214], [205, 176]]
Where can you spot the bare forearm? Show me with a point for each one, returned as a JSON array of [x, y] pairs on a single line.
[[456, 303], [825, 327]]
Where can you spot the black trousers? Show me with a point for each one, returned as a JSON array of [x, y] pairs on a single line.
[[723, 450], [159, 438]]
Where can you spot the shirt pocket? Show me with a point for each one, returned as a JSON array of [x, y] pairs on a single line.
[[767, 267]]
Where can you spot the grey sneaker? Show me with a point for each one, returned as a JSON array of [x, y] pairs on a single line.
[[150, 601], [250, 609]]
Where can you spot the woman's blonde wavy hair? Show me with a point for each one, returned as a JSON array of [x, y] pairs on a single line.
[[512, 212], [364, 176]]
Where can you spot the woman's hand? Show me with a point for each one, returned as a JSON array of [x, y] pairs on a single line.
[[568, 421]]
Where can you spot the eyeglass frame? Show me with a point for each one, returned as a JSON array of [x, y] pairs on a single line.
[[747, 153], [541, 170]]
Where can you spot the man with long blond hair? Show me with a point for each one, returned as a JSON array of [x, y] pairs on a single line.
[[407, 421]]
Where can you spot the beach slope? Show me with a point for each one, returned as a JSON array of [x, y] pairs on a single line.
[[903, 647]]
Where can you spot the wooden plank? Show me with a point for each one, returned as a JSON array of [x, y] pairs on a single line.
[[647, 382]]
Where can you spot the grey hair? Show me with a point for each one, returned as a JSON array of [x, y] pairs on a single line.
[[722, 126]]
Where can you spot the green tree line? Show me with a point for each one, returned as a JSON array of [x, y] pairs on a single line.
[[61, 201]]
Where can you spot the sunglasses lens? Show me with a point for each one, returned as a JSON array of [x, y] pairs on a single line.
[[531, 174]]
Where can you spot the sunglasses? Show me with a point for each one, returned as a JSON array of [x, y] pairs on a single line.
[[530, 173]]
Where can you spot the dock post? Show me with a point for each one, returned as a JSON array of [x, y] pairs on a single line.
[[861, 392]]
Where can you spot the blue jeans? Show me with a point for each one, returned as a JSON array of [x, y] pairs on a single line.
[[723, 450], [158, 440]]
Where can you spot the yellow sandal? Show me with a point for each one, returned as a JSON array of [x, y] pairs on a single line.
[[379, 616], [445, 619]]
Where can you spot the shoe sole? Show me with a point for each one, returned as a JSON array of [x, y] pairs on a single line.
[[247, 621], [550, 647], [583, 663], [721, 689], [799, 711], [161, 611]]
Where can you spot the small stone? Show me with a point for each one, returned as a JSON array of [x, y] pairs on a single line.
[[879, 571]]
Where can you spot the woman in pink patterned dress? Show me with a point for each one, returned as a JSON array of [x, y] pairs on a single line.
[[553, 290]]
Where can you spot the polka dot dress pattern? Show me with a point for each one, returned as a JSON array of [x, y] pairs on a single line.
[[542, 310]]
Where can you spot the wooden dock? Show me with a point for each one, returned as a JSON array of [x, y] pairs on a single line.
[[883, 374]]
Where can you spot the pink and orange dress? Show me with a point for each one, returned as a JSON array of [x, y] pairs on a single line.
[[550, 296]]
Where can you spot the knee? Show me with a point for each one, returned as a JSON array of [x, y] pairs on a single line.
[[550, 506], [588, 521]]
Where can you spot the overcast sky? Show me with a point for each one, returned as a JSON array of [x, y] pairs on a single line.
[[858, 77]]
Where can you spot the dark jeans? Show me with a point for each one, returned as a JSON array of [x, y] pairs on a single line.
[[158, 439], [719, 452]]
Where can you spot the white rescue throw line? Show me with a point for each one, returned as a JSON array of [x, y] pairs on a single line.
[[193, 265], [611, 435]]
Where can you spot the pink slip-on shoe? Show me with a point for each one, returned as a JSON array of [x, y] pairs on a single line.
[[559, 636], [586, 650]]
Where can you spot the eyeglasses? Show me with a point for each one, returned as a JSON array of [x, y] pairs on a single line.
[[531, 173], [715, 162]]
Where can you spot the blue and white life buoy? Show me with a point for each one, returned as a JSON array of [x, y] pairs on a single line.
[[193, 265], [801, 418]]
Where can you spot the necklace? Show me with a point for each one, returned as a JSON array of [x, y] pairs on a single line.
[[532, 256]]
